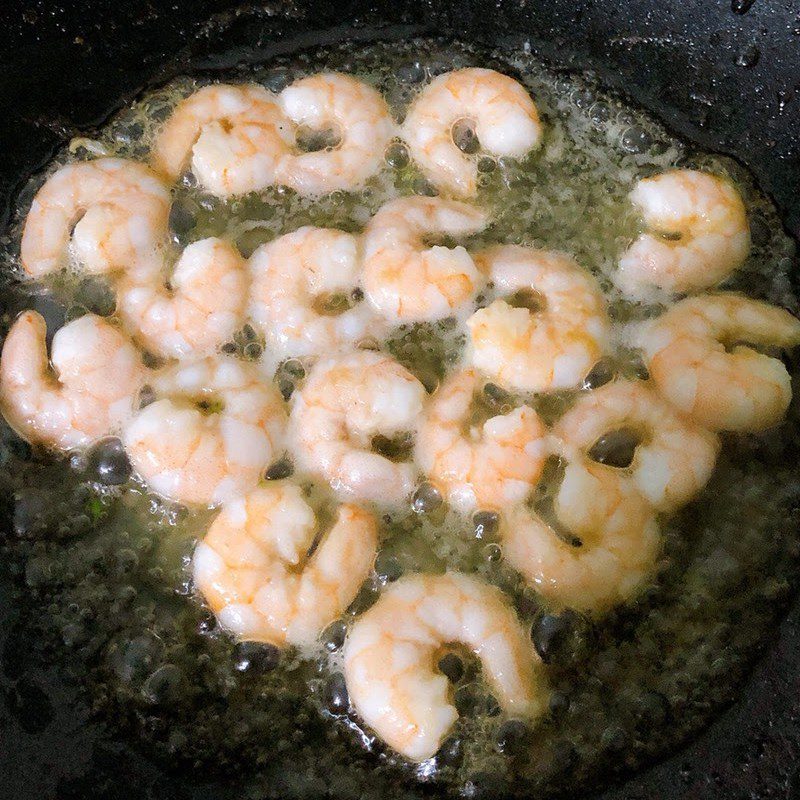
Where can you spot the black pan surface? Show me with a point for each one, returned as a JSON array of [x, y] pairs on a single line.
[[724, 75]]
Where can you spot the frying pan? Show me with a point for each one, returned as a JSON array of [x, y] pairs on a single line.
[[726, 76]]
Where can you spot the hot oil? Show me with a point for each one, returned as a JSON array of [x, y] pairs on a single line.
[[107, 566]]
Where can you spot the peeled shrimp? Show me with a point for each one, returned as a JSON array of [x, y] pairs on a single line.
[[391, 652], [484, 466], [356, 112], [254, 570], [90, 393], [345, 403], [708, 234], [619, 540], [119, 211], [674, 458], [211, 433], [552, 345], [733, 389], [292, 278], [236, 137], [499, 109], [404, 279], [202, 308]]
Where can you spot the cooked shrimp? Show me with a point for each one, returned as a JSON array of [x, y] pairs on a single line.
[[119, 210], [216, 426], [674, 457], [697, 357], [404, 279], [97, 374], [236, 136], [479, 466], [554, 341], [202, 308], [619, 540], [357, 114], [293, 278], [496, 107], [345, 403], [391, 652], [254, 571], [708, 235]]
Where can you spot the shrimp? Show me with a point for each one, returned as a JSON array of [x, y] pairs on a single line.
[[619, 540], [358, 115], [254, 570], [405, 280], [236, 136], [479, 466], [697, 359], [708, 235], [293, 277], [555, 337], [96, 377], [116, 211], [213, 430], [201, 310], [391, 652], [674, 458], [497, 108], [346, 402]]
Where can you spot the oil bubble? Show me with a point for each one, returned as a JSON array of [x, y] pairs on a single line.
[[636, 140], [748, 57], [741, 6]]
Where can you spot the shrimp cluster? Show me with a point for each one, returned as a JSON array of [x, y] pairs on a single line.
[[702, 356], [555, 331], [697, 234], [404, 279], [103, 216], [240, 139], [391, 650], [213, 428], [601, 547], [499, 110], [254, 570], [357, 433], [78, 401], [345, 404], [479, 466], [200, 309], [305, 294]]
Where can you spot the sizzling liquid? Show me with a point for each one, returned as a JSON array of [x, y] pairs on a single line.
[[106, 566]]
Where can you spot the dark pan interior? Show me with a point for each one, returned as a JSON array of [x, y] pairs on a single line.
[[725, 79]]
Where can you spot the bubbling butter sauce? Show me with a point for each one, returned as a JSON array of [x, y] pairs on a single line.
[[105, 563]]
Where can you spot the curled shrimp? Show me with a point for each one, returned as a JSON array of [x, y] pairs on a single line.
[[698, 360], [674, 457], [404, 279], [357, 114], [707, 235], [236, 137], [555, 335], [90, 393], [253, 567], [202, 307], [497, 108], [211, 433], [484, 466], [115, 211], [391, 653], [345, 404], [294, 277], [619, 540]]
